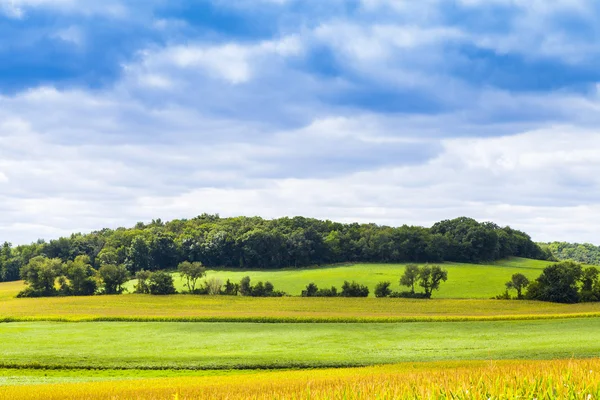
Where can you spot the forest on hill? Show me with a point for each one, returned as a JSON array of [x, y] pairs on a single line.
[[254, 242], [585, 253]]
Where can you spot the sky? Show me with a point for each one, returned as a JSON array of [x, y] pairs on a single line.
[[386, 111]]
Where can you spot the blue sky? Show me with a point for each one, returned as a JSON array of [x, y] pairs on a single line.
[[379, 111]]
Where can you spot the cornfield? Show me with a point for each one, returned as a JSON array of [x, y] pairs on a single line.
[[562, 379]]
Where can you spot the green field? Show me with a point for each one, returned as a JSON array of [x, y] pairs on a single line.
[[249, 345], [464, 280]]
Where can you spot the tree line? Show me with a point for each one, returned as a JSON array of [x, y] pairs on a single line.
[[584, 253], [562, 282], [253, 242]]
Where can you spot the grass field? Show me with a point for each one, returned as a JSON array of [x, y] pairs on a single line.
[[558, 379], [248, 345], [464, 280], [183, 346]]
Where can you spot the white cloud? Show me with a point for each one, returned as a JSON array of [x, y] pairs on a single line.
[[231, 62]]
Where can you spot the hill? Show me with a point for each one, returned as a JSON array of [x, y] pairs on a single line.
[[251, 243]]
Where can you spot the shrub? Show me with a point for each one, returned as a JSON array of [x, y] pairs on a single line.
[[354, 289], [503, 296], [383, 289], [310, 291], [409, 295], [333, 292], [213, 286], [231, 289], [161, 283], [142, 285], [245, 287]]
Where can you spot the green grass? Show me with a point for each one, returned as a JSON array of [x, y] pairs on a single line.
[[464, 280], [235, 345]]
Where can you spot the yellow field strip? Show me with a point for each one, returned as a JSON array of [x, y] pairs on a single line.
[[299, 319], [558, 379]]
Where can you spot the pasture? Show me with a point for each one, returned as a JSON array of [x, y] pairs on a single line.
[[179, 345], [185, 346], [476, 281]]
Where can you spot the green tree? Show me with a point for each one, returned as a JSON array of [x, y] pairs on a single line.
[[191, 272], [558, 283], [310, 291], [161, 283], [383, 289], [113, 277], [231, 289], [142, 285], [410, 277], [245, 286], [138, 255], [41, 274], [354, 289], [81, 277], [519, 282], [430, 278]]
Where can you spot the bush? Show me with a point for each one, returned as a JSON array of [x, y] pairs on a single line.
[[383, 289], [231, 289], [245, 287], [333, 292], [354, 289], [503, 296], [161, 283], [410, 295], [213, 286], [311, 290]]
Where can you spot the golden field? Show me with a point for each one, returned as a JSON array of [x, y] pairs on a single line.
[[286, 309], [558, 379]]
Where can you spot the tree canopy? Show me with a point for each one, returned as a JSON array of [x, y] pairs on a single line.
[[253, 242]]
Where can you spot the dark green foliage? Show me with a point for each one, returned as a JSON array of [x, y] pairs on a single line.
[[41, 274], [80, 275], [430, 278], [558, 283], [471, 241], [138, 256], [383, 289], [504, 296], [519, 282], [409, 295], [410, 277], [310, 291], [259, 290], [332, 292], [230, 289], [245, 287], [285, 242], [313, 291], [113, 277], [354, 289], [161, 283]]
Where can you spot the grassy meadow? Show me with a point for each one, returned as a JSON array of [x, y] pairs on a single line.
[[557, 379], [219, 347], [474, 281], [154, 345]]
